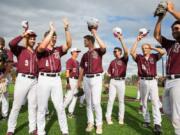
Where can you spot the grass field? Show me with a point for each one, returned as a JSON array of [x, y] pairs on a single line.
[[133, 120]]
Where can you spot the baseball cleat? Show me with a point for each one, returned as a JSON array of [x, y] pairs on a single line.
[[121, 122], [70, 115], [146, 124], [157, 129], [109, 121], [99, 130], [90, 127]]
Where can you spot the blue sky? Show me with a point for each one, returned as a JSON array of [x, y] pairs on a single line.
[[130, 15]]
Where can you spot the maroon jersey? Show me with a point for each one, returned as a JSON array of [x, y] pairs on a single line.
[[26, 60], [73, 67], [147, 67], [91, 61], [117, 67], [50, 60], [173, 52]]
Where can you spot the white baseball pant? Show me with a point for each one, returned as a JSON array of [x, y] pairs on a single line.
[[171, 103], [24, 88], [4, 104], [116, 87], [150, 87], [70, 99], [93, 90], [50, 86]]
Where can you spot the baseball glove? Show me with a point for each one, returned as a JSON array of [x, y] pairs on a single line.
[[79, 93]]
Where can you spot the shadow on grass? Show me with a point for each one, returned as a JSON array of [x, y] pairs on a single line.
[[81, 120], [131, 119]]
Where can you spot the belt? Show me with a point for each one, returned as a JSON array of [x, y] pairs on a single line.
[[147, 78], [118, 78], [170, 77], [92, 75], [49, 74], [74, 77], [28, 76]]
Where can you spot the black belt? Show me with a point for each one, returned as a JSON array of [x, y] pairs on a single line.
[[92, 75], [49, 74], [147, 78], [28, 76], [118, 78], [170, 77], [74, 77]]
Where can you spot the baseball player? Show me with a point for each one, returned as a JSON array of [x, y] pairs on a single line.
[[25, 85], [171, 101], [6, 58], [49, 81], [148, 84], [91, 69], [72, 74], [117, 73]]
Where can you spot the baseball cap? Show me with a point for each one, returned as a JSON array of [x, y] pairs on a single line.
[[75, 50], [31, 33]]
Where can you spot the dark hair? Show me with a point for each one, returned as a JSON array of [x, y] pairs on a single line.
[[118, 48], [47, 32], [2, 41], [176, 22], [89, 37]]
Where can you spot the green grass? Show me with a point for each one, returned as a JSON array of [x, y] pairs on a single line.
[[77, 125]]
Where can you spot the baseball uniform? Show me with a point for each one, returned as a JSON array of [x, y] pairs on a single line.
[[73, 67], [91, 62], [25, 85], [5, 82], [148, 86], [4, 94], [117, 71], [171, 100], [49, 84]]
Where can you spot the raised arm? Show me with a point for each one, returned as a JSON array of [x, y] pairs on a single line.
[[171, 10], [120, 37], [43, 45], [159, 50], [67, 34], [157, 30], [134, 48], [98, 39]]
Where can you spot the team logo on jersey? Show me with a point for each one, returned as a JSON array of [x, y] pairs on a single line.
[[56, 55], [86, 64], [119, 62], [143, 67], [176, 48], [94, 54], [151, 60], [74, 70]]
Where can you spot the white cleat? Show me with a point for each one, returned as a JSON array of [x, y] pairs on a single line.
[[109, 121], [99, 130], [121, 122], [89, 127]]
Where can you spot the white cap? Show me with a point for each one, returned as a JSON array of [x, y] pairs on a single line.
[[117, 31], [143, 31], [24, 24], [75, 50], [93, 22]]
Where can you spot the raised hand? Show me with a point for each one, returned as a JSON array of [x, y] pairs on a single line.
[[66, 23]]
